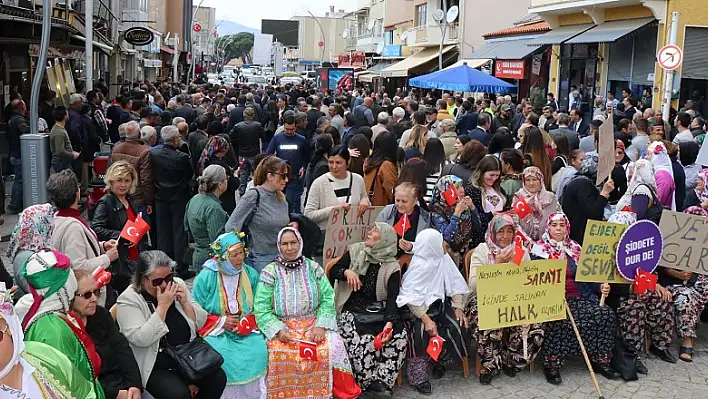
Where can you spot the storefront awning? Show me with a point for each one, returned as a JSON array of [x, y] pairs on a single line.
[[560, 34], [505, 50], [472, 63], [400, 69], [610, 31]]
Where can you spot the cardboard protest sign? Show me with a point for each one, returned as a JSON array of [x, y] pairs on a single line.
[[639, 249], [510, 295], [346, 228], [685, 242], [597, 262], [606, 150]]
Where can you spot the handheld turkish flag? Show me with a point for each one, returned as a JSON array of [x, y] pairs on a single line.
[[451, 195], [519, 252], [308, 350], [644, 281], [402, 226], [378, 341], [101, 277], [247, 325], [522, 208], [435, 346], [134, 231]]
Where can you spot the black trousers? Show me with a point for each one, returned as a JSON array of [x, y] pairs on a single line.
[[171, 238], [167, 384]]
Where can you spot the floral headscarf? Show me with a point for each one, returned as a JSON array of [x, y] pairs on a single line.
[[623, 217], [643, 175], [696, 210], [703, 177], [542, 198], [498, 222], [549, 248], [32, 231], [220, 261], [290, 264], [439, 205], [660, 157], [588, 167], [7, 313], [215, 145]]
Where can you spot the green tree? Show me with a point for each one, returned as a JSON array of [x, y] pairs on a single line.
[[239, 45]]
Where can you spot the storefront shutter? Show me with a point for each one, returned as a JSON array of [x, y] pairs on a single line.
[[644, 57], [695, 54], [620, 65]]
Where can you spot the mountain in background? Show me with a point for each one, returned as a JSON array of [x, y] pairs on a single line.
[[231, 28]]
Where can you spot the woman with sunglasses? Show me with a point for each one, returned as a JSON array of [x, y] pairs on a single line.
[[119, 374], [155, 309]]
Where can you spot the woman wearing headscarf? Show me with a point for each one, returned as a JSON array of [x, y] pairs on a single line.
[[294, 306], [34, 369], [32, 233], [621, 159], [658, 154], [225, 288], [367, 282], [542, 202], [215, 153], [596, 323], [454, 221], [495, 353], [696, 197], [642, 196], [46, 317], [688, 154], [435, 292], [639, 315]]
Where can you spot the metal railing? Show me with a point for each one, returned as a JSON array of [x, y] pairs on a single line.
[[421, 34], [104, 21]]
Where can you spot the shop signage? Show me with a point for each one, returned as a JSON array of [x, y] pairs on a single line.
[[510, 69], [392, 50], [352, 59], [139, 36], [536, 64], [149, 63], [61, 51]]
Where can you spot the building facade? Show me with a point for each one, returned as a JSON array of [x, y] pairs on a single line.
[[320, 40]]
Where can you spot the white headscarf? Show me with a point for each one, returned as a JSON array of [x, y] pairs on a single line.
[[432, 274], [7, 313], [661, 161], [643, 175]]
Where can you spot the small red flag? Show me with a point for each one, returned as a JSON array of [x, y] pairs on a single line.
[[644, 281], [378, 341], [522, 208], [308, 350], [134, 231], [402, 226], [247, 325], [435, 347], [450, 195], [627, 208], [101, 277], [519, 252]]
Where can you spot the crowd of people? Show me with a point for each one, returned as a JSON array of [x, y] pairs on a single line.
[[238, 185]]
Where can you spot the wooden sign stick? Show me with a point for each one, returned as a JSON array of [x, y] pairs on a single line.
[[602, 300], [585, 353]]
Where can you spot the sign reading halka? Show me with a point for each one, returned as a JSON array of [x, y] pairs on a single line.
[[510, 295], [139, 36]]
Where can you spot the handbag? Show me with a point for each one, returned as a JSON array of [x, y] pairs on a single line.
[[195, 359], [624, 361], [373, 313]]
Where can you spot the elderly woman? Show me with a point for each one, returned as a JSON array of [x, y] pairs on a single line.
[[448, 138], [642, 194], [119, 374], [225, 289], [596, 323], [406, 216], [495, 353], [434, 291], [542, 202], [367, 282], [71, 234], [32, 233], [205, 218], [216, 153], [45, 313], [658, 154], [34, 369], [484, 188], [695, 197], [457, 220], [294, 307], [157, 310], [113, 211]]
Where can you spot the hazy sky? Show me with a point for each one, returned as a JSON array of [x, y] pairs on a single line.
[[250, 12]]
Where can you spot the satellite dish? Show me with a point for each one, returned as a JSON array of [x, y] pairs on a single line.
[[452, 14], [379, 48], [345, 34], [371, 24], [438, 15], [404, 36]]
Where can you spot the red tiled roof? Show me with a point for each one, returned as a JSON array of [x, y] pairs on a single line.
[[534, 27]]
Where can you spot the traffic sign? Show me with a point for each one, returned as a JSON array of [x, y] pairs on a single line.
[[670, 57], [197, 28]]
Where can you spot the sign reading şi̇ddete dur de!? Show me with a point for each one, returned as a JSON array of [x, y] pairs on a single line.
[[597, 263], [509, 295]]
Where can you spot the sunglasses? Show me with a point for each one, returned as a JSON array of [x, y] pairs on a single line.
[[156, 282], [89, 294]]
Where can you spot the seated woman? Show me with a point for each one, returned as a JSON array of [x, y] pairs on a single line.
[[32, 233], [358, 290], [542, 202], [496, 354], [155, 310], [34, 369], [642, 195], [294, 306], [695, 197], [119, 374], [45, 313], [407, 214], [596, 323], [225, 289], [455, 222], [435, 293]]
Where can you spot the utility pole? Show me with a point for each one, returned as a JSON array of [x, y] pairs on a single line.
[[89, 43], [175, 58], [669, 75], [41, 65], [322, 49], [443, 25]]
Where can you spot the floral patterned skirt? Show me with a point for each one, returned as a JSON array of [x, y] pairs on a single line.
[[637, 315], [689, 303]]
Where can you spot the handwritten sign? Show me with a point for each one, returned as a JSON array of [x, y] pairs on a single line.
[[597, 262], [510, 295], [346, 228], [639, 248], [685, 242], [606, 160]]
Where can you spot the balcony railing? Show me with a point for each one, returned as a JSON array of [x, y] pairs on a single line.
[[104, 21], [421, 34]]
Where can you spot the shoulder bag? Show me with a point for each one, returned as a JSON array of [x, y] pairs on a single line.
[[247, 222]]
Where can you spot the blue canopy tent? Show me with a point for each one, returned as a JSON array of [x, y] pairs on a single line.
[[462, 78]]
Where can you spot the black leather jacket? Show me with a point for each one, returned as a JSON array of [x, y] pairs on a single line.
[[246, 137], [172, 173]]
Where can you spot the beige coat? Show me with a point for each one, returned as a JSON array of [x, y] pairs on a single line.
[[448, 141], [321, 199], [143, 328]]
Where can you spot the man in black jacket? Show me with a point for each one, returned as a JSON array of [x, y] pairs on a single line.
[[236, 114], [467, 121], [197, 140], [17, 125], [186, 111], [246, 139], [172, 173], [313, 115]]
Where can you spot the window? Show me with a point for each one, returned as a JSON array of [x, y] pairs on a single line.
[[389, 37], [421, 11], [450, 3]]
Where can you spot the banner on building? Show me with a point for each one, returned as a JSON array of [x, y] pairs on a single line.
[[598, 261], [352, 59], [345, 228], [685, 242], [510, 69]]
